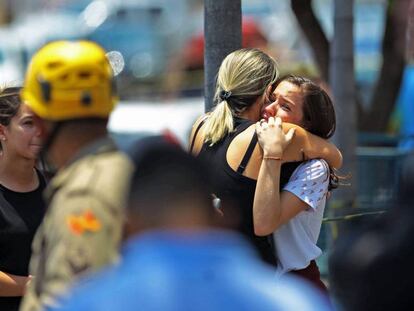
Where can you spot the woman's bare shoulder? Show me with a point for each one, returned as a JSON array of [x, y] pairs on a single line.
[[195, 143], [238, 148]]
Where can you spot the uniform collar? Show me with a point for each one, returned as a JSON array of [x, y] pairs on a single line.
[[102, 145]]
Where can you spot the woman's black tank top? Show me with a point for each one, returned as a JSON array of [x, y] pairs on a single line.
[[237, 191]]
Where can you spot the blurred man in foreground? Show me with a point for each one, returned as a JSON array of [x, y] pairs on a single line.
[[176, 258], [69, 87]]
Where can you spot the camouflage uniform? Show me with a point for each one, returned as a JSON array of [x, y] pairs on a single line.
[[82, 228]]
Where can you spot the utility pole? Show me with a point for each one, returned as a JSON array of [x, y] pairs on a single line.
[[343, 87], [222, 35], [6, 14], [410, 33]]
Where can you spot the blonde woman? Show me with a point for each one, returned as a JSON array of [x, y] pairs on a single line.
[[226, 139]]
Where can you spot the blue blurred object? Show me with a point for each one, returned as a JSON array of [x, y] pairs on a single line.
[[142, 31], [134, 32], [406, 109], [206, 270], [35, 29]]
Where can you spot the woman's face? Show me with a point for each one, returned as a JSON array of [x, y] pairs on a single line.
[[288, 104], [22, 136]]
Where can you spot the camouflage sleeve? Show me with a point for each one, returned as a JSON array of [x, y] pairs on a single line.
[[83, 236]]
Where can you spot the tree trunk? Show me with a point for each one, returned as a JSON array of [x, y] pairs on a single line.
[[222, 31], [393, 63], [343, 88], [314, 33], [393, 48], [6, 14]]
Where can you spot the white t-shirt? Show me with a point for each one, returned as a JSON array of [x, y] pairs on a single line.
[[295, 241]]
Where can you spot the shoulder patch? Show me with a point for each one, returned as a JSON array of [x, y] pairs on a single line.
[[86, 222]]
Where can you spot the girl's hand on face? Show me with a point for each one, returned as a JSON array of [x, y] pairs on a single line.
[[271, 137]]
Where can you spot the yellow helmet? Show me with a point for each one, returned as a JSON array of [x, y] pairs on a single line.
[[69, 80]]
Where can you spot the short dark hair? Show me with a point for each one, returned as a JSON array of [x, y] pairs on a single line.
[[164, 176], [318, 110]]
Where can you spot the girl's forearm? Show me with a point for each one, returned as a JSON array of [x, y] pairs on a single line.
[[266, 204]]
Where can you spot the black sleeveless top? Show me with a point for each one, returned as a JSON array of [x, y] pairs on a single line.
[[20, 215], [237, 191]]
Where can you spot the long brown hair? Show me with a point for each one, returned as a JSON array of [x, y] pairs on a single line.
[[318, 114], [318, 110], [9, 104]]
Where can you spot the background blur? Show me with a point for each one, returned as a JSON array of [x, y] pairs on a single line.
[[162, 40], [159, 45]]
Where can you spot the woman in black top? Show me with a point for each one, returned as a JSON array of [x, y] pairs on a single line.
[[21, 204], [226, 138]]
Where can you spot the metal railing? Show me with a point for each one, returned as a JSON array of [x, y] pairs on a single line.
[[379, 182]]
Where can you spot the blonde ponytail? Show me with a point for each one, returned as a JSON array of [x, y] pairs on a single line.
[[243, 77], [218, 124]]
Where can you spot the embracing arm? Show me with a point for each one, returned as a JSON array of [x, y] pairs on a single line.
[[306, 190], [267, 197], [311, 146], [270, 209], [13, 285]]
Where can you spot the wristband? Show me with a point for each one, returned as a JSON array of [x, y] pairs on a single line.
[[272, 158]]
